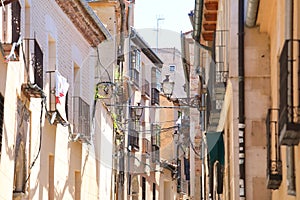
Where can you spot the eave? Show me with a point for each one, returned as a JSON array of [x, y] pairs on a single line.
[[209, 19], [85, 20], [140, 42], [205, 20]]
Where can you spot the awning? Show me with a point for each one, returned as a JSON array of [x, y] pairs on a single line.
[[215, 147]]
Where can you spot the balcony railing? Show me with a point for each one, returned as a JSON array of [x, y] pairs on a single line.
[[289, 115], [54, 115], [274, 164], [81, 118], [12, 37], [154, 96]]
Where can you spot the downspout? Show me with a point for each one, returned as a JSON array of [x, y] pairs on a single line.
[[290, 162], [252, 10], [241, 87]]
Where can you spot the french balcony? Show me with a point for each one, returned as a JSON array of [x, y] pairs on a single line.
[[11, 26], [53, 104], [289, 115], [81, 119], [274, 164], [34, 62]]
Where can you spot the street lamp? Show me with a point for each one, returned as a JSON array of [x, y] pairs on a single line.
[[194, 102], [136, 112], [168, 86]]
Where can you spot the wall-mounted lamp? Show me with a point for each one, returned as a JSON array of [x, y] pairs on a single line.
[[137, 112], [104, 90], [194, 102], [168, 86]]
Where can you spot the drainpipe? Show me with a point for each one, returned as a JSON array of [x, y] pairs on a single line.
[[252, 10], [290, 162], [241, 125]]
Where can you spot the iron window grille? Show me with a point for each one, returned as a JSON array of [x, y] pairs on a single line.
[[81, 118], [11, 37], [55, 116], [274, 164], [289, 115]]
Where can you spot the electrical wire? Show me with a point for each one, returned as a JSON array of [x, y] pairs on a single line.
[[99, 61], [40, 144]]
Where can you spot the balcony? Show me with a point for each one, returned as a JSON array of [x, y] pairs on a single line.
[[289, 115], [81, 119], [154, 96], [9, 40], [34, 62], [274, 164], [56, 107]]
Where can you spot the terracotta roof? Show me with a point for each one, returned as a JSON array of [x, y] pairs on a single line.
[[85, 20]]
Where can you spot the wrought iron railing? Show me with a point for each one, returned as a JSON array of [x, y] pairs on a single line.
[[274, 164], [15, 27], [289, 115], [81, 117]]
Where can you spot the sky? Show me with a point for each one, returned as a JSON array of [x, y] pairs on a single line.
[[174, 12], [175, 20]]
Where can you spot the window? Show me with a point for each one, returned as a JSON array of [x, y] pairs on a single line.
[[135, 65], [38, 65], [172, 68], [143, 188], [154, 191]]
